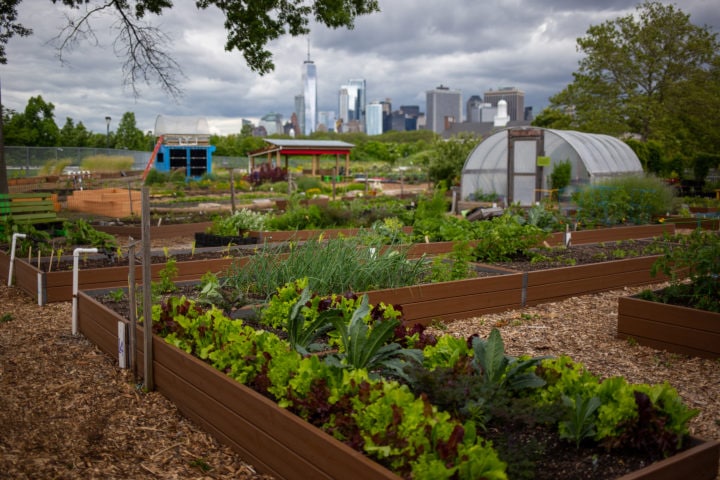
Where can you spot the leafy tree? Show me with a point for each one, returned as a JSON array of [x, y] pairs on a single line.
[[72, 135], [553, 118], [35, 127], [694, 130], [127, 135], [448, 158], [236, 145], [651, 156], [637, 69]]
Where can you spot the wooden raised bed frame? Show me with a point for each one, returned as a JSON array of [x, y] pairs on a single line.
[[56, 286], [280, 443], [673, 328], [157, 232], [460, 299]]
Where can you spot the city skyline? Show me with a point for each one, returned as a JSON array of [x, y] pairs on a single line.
[[467, 46]]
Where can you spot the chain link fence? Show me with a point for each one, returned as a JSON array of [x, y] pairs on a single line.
[[27, 161]]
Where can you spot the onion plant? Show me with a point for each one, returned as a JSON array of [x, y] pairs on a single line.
[[334, 265]]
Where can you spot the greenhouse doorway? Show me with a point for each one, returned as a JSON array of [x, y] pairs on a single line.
[[524, 173]]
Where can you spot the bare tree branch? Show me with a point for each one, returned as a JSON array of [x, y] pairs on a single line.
[[142, 46]]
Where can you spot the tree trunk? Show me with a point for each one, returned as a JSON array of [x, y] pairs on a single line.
[[3, 167]]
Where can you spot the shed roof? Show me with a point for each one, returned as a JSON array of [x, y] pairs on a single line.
[[304, 147]]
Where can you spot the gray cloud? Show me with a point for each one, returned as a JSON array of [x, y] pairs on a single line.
[[410, 47]]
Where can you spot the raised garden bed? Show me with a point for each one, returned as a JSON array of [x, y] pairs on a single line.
[[56, 285], [599, 235], [458, 299], [669, 327], [694, 222], [281, 444], [209, 240], [298, 235], [449, 300], [157, 232]]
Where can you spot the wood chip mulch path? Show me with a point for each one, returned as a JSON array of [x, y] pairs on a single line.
[[67, 411]]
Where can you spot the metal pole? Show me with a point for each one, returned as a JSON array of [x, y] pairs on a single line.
[[15, 236], [76, 267], [335, 172], [232, 191], [133, 309], [147, 296]]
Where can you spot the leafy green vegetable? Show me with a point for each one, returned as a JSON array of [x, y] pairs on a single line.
[[580, 424]]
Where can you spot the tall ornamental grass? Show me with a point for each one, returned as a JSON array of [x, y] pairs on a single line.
[[332, 266], [107, 163], [627, 199]]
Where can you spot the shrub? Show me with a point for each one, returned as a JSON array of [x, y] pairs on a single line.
[[628, 199], [156, 177], [305, 183], [698, 256], [560, 176], [243, 219]]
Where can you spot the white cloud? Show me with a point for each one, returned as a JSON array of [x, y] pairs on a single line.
[[407, 49]]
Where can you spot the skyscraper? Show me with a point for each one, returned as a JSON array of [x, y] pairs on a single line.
[[374, 120], [515, 101], [444, 106], [300, 114], [309, 81], [351, 101]]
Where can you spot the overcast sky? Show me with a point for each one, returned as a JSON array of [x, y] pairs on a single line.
[[410, 47]]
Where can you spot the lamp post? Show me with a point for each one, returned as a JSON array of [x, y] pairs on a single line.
[[107, 132]]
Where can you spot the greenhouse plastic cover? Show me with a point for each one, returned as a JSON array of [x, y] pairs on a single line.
[[601, 155], [165, 125]]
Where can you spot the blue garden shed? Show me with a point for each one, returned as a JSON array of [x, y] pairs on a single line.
[[185, 145]]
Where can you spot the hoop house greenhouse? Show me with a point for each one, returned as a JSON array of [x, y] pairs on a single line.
[[516, 163]]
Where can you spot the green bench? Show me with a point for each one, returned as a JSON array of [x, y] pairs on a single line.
[[27, 208]]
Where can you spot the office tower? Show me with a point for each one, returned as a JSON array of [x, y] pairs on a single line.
[[300, 113], [374, 119], [327, 118], [444, 106], [386, 114], [351, 101], [272, 123], [473, 109], [309, 81], [515, 101], [528, 116]]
